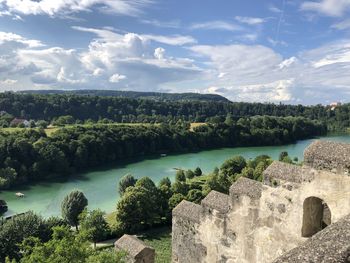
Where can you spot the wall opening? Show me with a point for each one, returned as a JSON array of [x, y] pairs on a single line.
[[316, 216]]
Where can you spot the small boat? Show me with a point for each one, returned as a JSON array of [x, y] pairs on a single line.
[[163, 155], [18, 194]]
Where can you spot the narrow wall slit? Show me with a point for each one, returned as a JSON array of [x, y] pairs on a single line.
[[316, 216]]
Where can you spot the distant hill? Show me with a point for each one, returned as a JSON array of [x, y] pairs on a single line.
[[136, 95]]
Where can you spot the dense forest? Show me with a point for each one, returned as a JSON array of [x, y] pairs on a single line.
[[30, 155], [49, 107], [135, 95]]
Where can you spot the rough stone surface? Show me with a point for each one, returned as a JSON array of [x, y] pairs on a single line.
[[185, 246], [247, 187], [326, 155], [188, 210], [217, 201], [262, 222], [279, 171], [330, 245], [137, 251]]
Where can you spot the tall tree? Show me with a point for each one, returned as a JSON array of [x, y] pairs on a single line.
[[72, 206], [126, 181], [93, 225]]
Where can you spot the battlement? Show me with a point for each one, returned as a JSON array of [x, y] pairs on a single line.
[[326, 155], [188, 210], [216, 200], [246, 187], [279, 172], [260, 222]]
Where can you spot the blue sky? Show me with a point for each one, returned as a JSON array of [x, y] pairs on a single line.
[[267, 51]]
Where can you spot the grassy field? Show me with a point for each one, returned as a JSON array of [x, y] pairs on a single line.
[[51, 129], [158, 238], [196, 124]]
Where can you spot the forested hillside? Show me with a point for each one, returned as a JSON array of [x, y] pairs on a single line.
[[49, 107], [31, 155], [135, 95]]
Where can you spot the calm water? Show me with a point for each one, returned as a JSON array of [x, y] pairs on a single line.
[[100, 187]]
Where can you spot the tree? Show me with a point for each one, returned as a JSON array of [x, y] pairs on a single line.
[[165, 181], [15, 230], [105, 256], [179, 187], [248, 172], [72, 206], [189, 174], [93, 225], [64, 247], [175, 200], [198, 171], [126, 181], [42, 124], [148, 184], [194, 195], [180, 176], [282, 155], [218, 182], [137, 209], [233, 166]]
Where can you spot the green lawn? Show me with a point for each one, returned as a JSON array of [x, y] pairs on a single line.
[[160, 240]]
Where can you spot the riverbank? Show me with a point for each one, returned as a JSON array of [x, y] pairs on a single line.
[[100, 186]]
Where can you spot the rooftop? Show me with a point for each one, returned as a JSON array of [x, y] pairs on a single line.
[[131, 244], [188, 210], [217, 201], [328, 155], [248, 187], [288, 172]]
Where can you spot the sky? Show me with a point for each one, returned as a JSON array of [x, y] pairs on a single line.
[[280, 51]]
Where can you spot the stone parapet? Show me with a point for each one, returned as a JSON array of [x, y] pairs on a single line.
[[330, 156]]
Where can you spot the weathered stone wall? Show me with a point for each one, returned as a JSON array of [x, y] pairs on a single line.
[[257, 222], [331, 156], [330, 245]]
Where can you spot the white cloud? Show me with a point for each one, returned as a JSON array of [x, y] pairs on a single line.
[[33, 65], [59, 7], [8, 81], [334, 8], [176, 40], [11, 37], [134, 62], [159, 53], [288, 62], [275, 9], [249, 37], [165, 24], [276, 42], [250, 20], [115, 78], [257, 73], [216, 25], [342, 25]]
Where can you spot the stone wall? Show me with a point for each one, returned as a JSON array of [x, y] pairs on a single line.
[[258, 222]]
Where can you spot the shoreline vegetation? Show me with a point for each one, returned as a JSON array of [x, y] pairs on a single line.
[[144, 209], [30, 155]]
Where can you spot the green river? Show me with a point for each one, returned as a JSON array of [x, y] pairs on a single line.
[[100, 186]]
